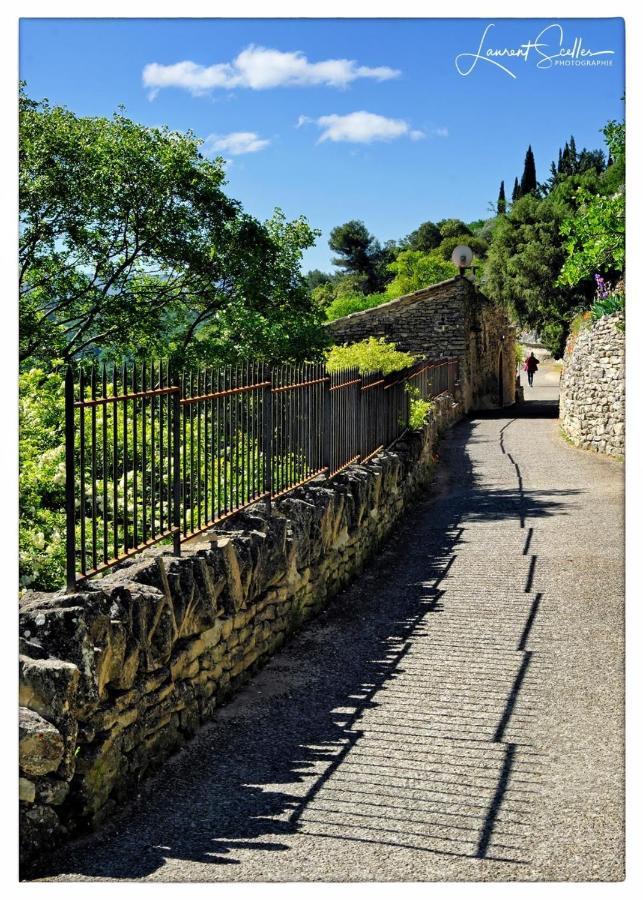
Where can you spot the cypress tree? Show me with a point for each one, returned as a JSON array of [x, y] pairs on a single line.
[[516, 192], [501, 206], [573, 156], [528, 181]]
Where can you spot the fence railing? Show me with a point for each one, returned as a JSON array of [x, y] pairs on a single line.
[[152, 456]]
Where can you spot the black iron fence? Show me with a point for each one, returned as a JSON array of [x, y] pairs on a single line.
[[152, 456]]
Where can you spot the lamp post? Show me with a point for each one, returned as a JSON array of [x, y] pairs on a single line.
[[462, 257]]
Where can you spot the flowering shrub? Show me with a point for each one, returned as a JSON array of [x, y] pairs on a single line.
[[608, 299]]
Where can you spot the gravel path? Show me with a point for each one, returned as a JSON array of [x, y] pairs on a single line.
[[456, 714]]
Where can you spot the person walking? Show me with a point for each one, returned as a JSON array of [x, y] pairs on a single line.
[[531, 366]]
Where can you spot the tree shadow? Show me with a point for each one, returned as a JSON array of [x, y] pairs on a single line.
[[359, 730]]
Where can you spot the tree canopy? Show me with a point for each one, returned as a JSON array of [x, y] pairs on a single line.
[[128, 243]]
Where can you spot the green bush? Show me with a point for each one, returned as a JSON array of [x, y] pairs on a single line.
[[350, 303], [42, 480], [370, 355], [419, 408], [606, 306]]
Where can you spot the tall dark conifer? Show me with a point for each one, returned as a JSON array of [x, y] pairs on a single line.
[[515, 194], [528, 181], [501, 207]]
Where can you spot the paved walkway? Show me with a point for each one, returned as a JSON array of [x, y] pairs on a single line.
[[455, 715]]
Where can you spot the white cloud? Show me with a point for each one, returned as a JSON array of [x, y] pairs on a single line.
[[235, 143], [259, 68], [361, 128], [441, 132]]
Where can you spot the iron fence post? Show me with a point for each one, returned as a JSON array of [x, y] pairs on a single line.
[[327, 460], [70, 478], [266, 437], [176, 468]]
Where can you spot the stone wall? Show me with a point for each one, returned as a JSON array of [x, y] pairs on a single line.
[[116, 677], [452, 318], [592, 388]]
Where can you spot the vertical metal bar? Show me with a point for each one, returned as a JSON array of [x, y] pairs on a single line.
[[153, 528], [327, 446], [70, 481], [218, 460], [266, 437], [170, 476], [186, 493], [105, 466], [115, 457], [161, 453], [94, 501], [125, 462], [242, 404], [199, 405], [206, 444], [236, 444], [226, 434], [176, 468], [81, 436], [144, 450], [134, 456]]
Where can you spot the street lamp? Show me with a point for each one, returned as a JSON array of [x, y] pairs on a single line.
[[462, 257]]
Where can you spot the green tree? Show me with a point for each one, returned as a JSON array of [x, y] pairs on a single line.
[[526, 256], [414, 270], [128, 243], [359, 253], [452, 228], [515, 194], [501, 205], [425, 238], [528, 182], [595, 233]]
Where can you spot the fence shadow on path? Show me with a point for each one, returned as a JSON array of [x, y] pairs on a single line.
[[383, 722]]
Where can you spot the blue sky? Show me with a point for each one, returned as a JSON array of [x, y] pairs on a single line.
[[434, 142]]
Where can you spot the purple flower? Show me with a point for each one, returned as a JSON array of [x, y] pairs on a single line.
[[602, 290]]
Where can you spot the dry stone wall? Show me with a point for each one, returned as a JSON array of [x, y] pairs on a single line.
[[452, 318], [592, 388], [118, 676]]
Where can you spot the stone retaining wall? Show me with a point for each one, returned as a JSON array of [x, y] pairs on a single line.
[[115, 678], [452, 318], [592, 388]]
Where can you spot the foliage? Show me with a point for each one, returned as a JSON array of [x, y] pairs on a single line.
[[370, 355], [595, 237], [346, 304], [520, 354], [607, 306], [42, 479], [128, 244], [528, 182], [414, 270], [526, 256], [501, 205], [425, 238], [453, 228], [419, 409], [596, 232], [360, 253]]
